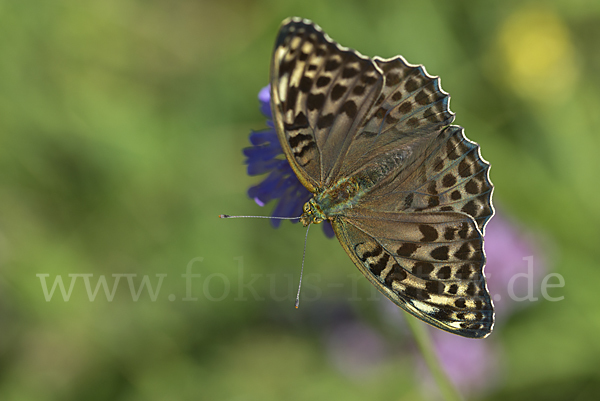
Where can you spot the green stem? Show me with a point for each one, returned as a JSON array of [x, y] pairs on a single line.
[[425, 345]]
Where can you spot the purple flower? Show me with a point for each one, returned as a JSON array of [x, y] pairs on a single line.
[[470, 364], [351, 344], [266, 156], [356, 349], [511, 276], [514, 267]]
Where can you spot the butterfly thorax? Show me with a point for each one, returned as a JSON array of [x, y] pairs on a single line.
[[332, 201]]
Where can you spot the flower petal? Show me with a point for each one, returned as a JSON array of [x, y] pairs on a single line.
[[264, 96]]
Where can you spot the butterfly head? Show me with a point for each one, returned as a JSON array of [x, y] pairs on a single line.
[[312, 213]]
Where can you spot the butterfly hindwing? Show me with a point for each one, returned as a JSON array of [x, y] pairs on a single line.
[[412, 261], [449, 176], [320, 92]]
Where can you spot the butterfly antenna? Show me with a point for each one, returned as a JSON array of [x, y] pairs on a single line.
[[302, 268], [226, 216]]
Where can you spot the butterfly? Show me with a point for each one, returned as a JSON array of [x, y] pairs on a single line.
[[408, 195]]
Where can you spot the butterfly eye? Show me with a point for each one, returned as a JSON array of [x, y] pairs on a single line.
[[306, 207], [317, 220]]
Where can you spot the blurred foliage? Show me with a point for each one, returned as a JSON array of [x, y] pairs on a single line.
[[122, 124]]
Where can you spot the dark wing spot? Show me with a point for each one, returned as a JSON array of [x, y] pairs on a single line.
[[325, 121], [464, 272], [438, 164], [456, 195], [432, 189], [449, 180], [464, 168], [299, 122], [368, 79], [480, 305], [407, 249], [451, 151], [349, 72], [453, 289], [305, 84], [323, 81], [389, 119], [315, 101], [434, 287], [337, 92], [397, 95], [358, 90], [433, 201], [449, 233], [332, 65], [287, 67], [464, 231], [292, 95], [460, 303], [470, 208], [375, 252], [349, 108], [392, 79], [430, 234], [405, 107], [422, 97], [297, 139], [413, 122], [472, 187], [443, 315], [376, 268], [305, 148], [477, 254], [463, 147], [416, 293], [411, 85], [430, 116], [471, 289], [464, 252], [396, 273], [444, 273], [440, 253], [423, 270]]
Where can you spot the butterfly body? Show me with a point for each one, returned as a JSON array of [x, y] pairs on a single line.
[[407, 193]]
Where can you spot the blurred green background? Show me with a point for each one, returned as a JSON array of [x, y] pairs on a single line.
[[122, 125]]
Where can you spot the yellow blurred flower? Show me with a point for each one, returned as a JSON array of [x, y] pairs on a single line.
[[537, 54]]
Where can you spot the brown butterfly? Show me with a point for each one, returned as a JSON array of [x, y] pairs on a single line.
[[407, 193]]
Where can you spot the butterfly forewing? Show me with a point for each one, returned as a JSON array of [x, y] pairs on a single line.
[[319, 93], [381, 128]]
